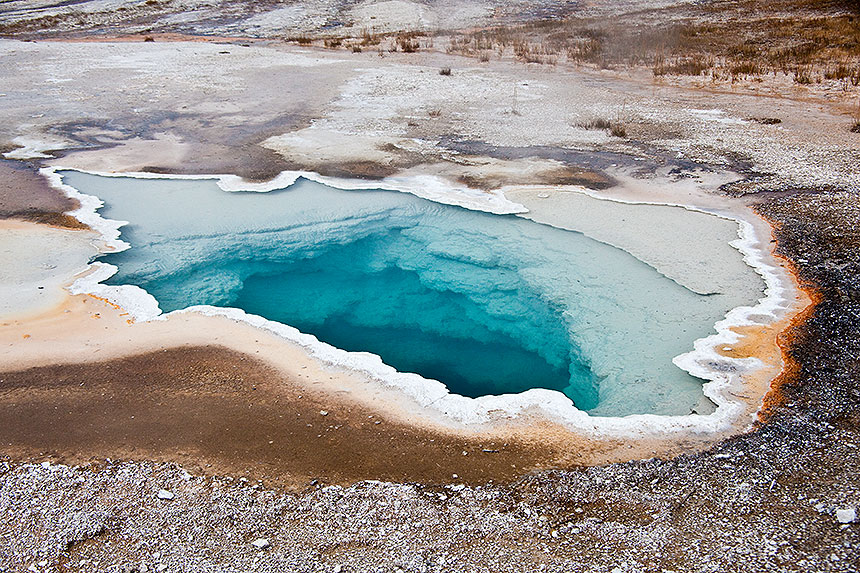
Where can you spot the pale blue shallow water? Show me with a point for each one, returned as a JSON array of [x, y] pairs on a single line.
[[487, 304]]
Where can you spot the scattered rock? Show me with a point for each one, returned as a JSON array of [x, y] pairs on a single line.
[[260, 543], [164, 494], [846, 515]]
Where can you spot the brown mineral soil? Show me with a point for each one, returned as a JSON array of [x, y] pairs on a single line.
[[214, 410], [84, 382]]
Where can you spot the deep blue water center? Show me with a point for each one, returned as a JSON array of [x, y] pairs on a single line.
[[486, 304], [360, 303]]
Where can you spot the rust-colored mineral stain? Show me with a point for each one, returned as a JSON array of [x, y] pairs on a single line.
[[810, 297]]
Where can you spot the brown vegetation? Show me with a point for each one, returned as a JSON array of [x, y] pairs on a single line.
[[807, 41], [615, 128]]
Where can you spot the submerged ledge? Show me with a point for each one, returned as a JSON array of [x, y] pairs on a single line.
[[727, 376]]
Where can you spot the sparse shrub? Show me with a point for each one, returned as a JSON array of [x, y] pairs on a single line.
[[333, 42], [446, 71], [149, 39], [856, 127], [615, 128], [435, 113], [408, 43], [484, 57], [745, 68], [368, 39], [803, 76], [618, 130], [356, 49], [687, 66], [598, 123], [303, 40]]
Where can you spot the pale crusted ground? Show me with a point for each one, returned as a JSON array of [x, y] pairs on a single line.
[[767, 500]]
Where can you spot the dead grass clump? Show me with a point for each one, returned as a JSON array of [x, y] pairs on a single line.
[[333, 42], [615, 128], [745, 68], [446, 71], [369, 39], [856, 127], [843, 71], [408, 42], [618, 130], [803, 75], [726, 40], [598, 123], [684, 66]]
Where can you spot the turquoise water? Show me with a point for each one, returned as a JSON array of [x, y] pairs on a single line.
[[486, 304]]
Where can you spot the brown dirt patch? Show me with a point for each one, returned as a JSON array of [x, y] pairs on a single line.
[[217, 411]]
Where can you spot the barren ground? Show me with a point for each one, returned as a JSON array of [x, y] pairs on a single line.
[[253, 89]]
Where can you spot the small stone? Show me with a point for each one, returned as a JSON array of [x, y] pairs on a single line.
[[846, 515], [337, 569], [323, 412], [164, 494], [260, 543], [161, 568]]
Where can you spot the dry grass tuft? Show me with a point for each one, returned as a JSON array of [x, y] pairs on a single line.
[[809, 41]]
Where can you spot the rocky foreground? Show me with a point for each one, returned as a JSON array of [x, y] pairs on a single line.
[[783, 497]]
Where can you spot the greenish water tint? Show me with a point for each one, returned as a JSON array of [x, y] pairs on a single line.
[[487, 304]]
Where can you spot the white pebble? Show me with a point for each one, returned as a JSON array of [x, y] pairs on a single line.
[[164, 494], [260, 543], [846, 515]]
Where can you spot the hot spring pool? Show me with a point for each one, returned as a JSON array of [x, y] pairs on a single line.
[[487, 304]]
